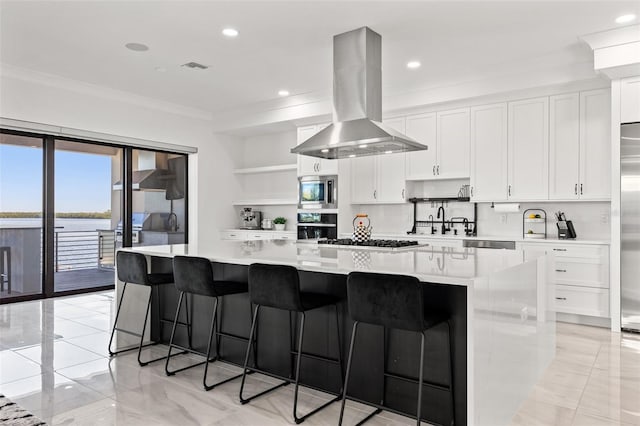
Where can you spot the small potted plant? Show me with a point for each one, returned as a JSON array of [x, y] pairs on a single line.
[[279, 223]]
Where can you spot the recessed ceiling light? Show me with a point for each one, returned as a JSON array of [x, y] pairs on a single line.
[[625, 18], [324, 150], [352, 155], [388, 152], [412, 65], [230, 32], [364, 145], [161, 69], [283, 93], [137, 47]]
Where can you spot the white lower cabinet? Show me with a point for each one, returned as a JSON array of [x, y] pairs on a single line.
[[582, 300], [580, 276], [252, 235], [234, 235]]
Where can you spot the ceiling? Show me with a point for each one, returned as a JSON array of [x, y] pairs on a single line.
[[288, 45]]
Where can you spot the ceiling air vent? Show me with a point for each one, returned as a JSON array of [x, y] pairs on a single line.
[[195, 65]]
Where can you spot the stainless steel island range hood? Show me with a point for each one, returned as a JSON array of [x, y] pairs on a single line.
[[357, 104]]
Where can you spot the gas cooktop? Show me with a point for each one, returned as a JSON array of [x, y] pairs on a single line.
[[372, 244]]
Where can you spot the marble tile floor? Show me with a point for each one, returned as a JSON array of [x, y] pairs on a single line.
[[54, 363]]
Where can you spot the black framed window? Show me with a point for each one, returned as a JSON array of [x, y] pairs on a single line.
[[66, 206]]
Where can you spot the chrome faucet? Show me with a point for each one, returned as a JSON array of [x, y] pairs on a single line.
[[173, 222]]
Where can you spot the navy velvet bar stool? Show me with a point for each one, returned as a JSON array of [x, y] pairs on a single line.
[[132, 269], [278, 287], [396, 302], [194, 275]]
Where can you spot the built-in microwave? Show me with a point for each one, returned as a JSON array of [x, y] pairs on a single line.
[[318, 192]]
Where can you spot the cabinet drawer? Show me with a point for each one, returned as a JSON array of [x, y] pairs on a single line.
[[578, 251], [233, 235], [283, 236], [258, 235], [582, 300], [586, 274]]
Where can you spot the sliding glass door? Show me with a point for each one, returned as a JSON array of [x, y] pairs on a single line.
[[87, 212], [67, 205], [21, 181]]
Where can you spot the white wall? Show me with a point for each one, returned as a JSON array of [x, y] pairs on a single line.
[[56, 101]]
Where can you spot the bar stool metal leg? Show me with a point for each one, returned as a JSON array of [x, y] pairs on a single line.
[[346, 379], [144, 328], [245, 369], [420, 379], [453, 405], [176, 322]]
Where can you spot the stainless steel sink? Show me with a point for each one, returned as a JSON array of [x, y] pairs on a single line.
[[490, 244]]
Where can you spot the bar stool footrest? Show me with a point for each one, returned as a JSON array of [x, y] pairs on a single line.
[[317, 357], [416, 381]]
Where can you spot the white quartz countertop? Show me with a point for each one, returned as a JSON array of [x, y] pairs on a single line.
[[429, 263], [519, 239]]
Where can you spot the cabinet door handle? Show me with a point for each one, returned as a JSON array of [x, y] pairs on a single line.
[[561, 270], [375, 194], [438, 169], [319, 166], [509, 191], [580, 189], [472, 191], [559, 249], [561, 298], [575, 189], [403, 193], [434, 170]]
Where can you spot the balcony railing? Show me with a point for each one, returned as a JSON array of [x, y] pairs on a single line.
[[76, 250]]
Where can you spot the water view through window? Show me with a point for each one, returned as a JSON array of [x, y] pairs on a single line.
[[87, 213], [20, 215]]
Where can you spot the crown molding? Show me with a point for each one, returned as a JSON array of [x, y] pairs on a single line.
[[51, 80]]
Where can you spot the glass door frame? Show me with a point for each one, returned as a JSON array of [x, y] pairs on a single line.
[[48, 209]]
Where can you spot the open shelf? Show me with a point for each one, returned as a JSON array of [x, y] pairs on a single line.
[[266, 169], [536, 220], [266, 202]]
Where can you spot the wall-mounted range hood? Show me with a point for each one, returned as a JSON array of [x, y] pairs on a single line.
[[357, 104], [152, 173]]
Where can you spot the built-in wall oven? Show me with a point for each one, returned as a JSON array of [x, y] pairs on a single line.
[[318, 192], [317, 225]]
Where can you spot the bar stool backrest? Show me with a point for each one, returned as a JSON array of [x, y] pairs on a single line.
[[394, 301], [193, 275], [132, 268], [277, 286]]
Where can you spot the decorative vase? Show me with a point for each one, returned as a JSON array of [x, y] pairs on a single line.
[[280, 226]]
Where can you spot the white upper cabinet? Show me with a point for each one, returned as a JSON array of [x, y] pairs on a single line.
[[579, 146], [630, 100], [378, 179], [489, 159], [564, 146], [528, 147], [421, 165], [595, 145], [453, 144], [364, 185], [310, 166], [390, 178]]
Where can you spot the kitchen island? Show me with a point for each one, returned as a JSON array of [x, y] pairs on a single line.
[[503, 331]]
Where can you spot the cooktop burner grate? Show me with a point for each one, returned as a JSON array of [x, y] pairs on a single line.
[[387, 244]]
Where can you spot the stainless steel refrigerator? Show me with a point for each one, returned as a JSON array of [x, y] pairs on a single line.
[[630, 226]]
